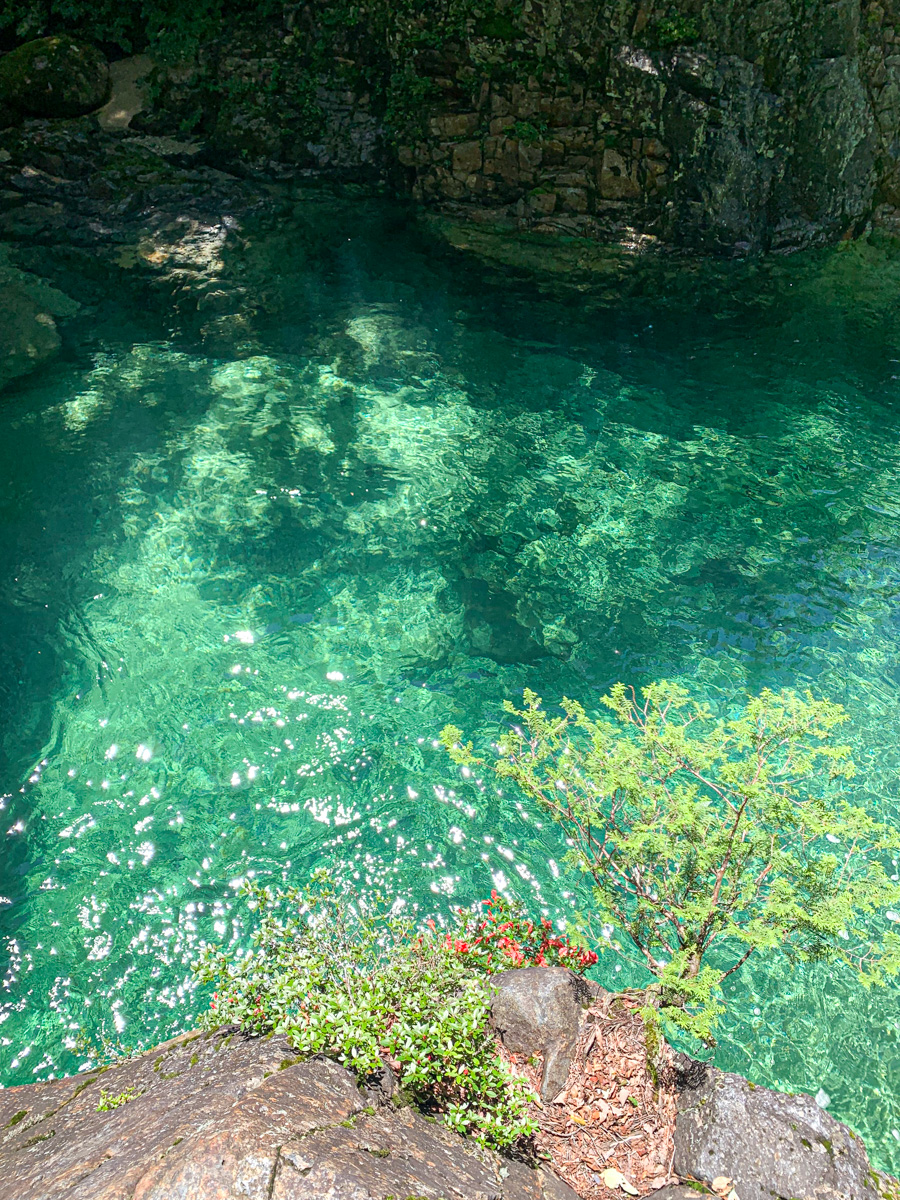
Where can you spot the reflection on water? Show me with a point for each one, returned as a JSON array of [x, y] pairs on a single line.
[[239, 599]]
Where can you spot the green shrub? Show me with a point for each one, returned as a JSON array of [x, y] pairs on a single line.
[[352, 980], [677, 31], [700, 838], [110, 1100], [530, 133]]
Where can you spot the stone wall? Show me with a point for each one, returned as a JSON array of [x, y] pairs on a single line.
[[725, 126], [744, 125]]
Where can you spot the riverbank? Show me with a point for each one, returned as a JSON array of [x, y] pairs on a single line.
[[725, 129], [581, 487], [221, 1115]]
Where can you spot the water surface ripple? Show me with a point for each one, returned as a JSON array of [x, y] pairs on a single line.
[[239, 597]]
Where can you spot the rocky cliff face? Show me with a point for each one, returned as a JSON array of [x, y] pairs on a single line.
[[726, 126], [731, 126]]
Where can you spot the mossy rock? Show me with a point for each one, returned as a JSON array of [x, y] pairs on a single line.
[[54, 77], [8, 116], [245, 133]]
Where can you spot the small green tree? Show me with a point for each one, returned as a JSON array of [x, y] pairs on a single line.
[[701, 838]]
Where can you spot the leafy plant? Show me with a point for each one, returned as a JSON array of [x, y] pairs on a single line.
[[340, 976], [677, 31], [529, 133], [504, 937], [110, 1100], [700, 836], [407, 94]]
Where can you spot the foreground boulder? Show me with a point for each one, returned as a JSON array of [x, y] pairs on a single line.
[[221, 1116], [215, 1116], [54, 77], [768, 1143]]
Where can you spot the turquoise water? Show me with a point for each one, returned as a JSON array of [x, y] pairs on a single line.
[[239, 598]]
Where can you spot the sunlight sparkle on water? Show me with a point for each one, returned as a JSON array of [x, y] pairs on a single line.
[[258, 589]]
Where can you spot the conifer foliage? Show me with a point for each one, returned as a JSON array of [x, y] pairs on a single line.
[[708, 839]]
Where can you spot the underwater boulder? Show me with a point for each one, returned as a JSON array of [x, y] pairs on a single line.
[[28, 331], [54, 77]]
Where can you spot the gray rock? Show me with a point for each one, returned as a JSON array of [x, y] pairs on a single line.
[[555, 1189], [769, 1143], [221, 1116], [678, 1191], [127, 93], [539, 1010]]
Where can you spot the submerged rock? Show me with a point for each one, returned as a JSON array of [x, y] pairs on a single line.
[[28, 332], [54, 77]]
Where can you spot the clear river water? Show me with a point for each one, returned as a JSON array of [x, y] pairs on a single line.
[[241, 593]]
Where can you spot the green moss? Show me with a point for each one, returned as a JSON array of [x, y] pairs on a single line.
[[41, 1137], [87, 1083], [110, 1101], [653, 1040], [529, 132], [54, 77], [498, 25], [676, 31], [885, 1186], [195, 1058], [19, 1116]]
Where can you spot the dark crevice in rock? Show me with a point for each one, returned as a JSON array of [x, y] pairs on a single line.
[[271, 1188]]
